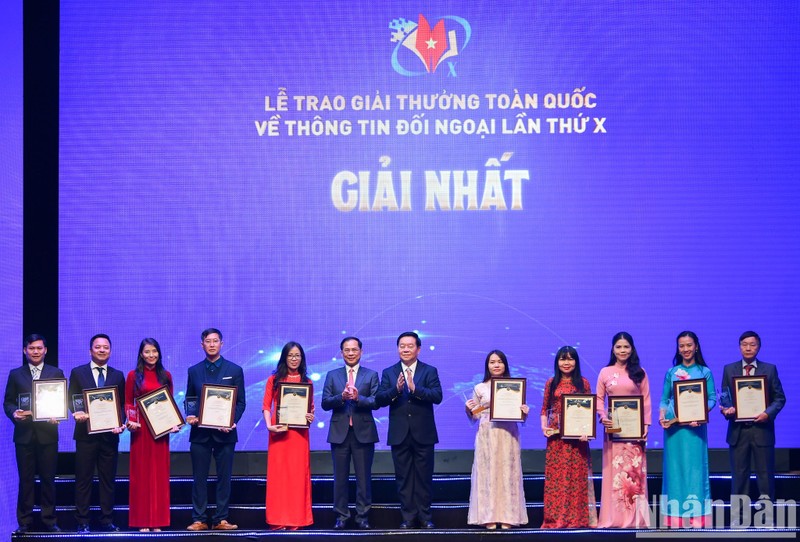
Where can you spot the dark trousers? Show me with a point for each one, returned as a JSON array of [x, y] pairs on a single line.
[[413, 470], [99, 453], [32, 459], [741, 455], [362, 455], [201, 453]]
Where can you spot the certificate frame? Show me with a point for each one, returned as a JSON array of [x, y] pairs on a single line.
[[685, 415], [632, 432], [101, 394], [750, 382], [517, 399], [294, 388], [571, 426], [57, 386], [157, 427], [209, 391]]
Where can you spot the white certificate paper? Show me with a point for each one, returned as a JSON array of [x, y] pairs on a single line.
[[751, 398], [691, 401], [508, 396], [627, 415], [217, 406], [293, 405], [578, 416], [102, 406]]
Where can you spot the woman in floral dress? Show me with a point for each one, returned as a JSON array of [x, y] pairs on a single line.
[[568, 490], [624, 497], [686, 484]]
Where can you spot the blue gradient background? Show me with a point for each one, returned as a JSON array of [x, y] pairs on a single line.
[[175, 216]]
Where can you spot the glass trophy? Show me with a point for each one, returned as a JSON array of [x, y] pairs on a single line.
[[553, 423], [724, 396], [24, 401], [191, 406], [78, 404], [615, 427]]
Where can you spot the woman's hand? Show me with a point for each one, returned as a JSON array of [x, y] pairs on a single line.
[[277, 428], [607, 422], [309, 417], [133, 426]]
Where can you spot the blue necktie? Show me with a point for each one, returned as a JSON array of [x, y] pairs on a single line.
[[101, 378]]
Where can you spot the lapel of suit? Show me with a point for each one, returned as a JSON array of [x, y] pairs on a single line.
[[359, 377]]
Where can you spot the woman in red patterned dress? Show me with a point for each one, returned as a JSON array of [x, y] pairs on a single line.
[[568, 490]]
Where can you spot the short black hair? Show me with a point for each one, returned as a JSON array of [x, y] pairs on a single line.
[[209, 331], [341, 344], [99, 336], [32, 338], [409, 334], [748, 334]]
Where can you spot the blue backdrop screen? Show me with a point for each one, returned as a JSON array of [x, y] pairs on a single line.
[[517, 176]]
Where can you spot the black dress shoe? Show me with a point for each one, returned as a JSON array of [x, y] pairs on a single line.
[[109, 528], [363, 525], [339, 525], [428, 525], [82, 528], [52, 528], [406, 525]]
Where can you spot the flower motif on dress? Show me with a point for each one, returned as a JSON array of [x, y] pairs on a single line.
[[682, 374], [628, 482]]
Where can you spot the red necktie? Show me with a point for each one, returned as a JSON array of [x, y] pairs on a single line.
[[350, 383], [748, 369]]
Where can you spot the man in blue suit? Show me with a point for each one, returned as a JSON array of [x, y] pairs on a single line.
[[99, 450], [411, 388], [35, 443], [754, 439], [208, 442], [350, 392]]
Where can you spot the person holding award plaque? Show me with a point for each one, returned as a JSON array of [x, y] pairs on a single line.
[[568, 489], [149, 458], [685, 480], [97, 431], [35, 443], [624, 497], [755, 388], [496, 494], [288, 411]]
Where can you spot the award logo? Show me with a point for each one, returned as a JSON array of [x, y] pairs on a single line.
[[430, 46]]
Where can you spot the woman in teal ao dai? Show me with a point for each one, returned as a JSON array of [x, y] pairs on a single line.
[[685, 481]]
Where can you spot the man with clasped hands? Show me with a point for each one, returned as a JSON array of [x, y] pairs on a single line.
[[411, 388], [349, 392]]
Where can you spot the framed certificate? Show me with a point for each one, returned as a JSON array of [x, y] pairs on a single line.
[[691, 400], [578, 411], [627, 415], [294, 402], [159, 411], [508, 395], [749, 396], [49, 400], [217, 406], [102, 406]]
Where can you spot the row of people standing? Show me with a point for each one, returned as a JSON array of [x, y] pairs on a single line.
[[569, 496], [411, 388]]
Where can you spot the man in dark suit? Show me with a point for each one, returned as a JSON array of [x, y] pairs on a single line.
[[218, 443], [99, 450], [350, 392], [753, 439], [36, 443], [411, 388]]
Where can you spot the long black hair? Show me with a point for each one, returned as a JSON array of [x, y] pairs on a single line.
[[486, 374], [577, 380], [633, 367], [161, 373], [698, 355], [282, 370]]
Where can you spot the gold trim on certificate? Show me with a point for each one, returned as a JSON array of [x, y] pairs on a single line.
[[691, 400], [217, 406], [749, 396], [294, 402], [49, 400], [159, 411], [627, 414], [508, 396], [578, 412], [102, 406]]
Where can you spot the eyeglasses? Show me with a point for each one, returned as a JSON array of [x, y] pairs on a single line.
[[294, 356]]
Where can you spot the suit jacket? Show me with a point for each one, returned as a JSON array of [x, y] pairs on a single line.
[[363, 423], [81, 378], [411, 412], [765, 435], [228, 374], [21, 381]]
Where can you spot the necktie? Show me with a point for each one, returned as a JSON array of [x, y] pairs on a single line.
[[408, 377], [101, 377], [35, 372], [350, 383], [748, 369]]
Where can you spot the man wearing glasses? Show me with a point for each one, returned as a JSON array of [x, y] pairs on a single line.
[[217, 442]]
